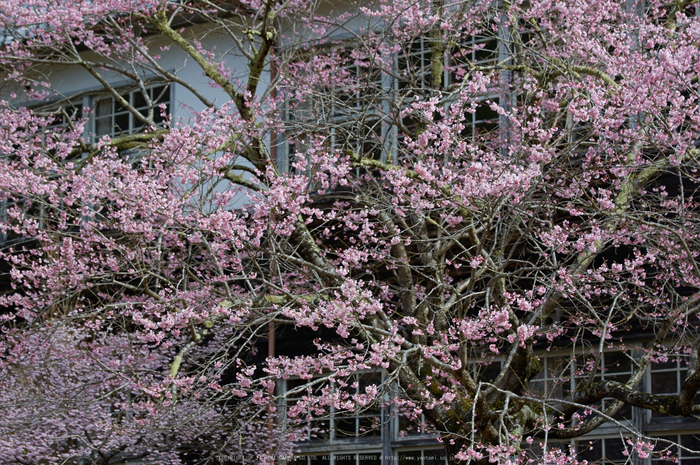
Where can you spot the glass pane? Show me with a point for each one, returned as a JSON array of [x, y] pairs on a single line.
[[620, 378], [485, 118], [76, 112], [536, 388], [625, 411], [121, 123], [369, 425], [118, 107], [409, 427], [159, 116], [614, 450], [490, 372], [667, 446], [138, 101], [294, 383], [320, 429], [590, 450], [103, 126], [671, 364], [58, 120], [371, 145], [159, 94], [617, 362], [103, 107], [557, 366], [664, 383], [692, 442], [489, 51], [345, 427]]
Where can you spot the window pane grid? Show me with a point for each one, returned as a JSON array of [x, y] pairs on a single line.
[[362, 84], [613, 366], [65, 114], [112, 119], [477, 50], [414, 65], [666, 378], [603, 451], [667, 453], [338, 426]]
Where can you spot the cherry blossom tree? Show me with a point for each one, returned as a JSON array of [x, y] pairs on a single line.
[[480, 199]]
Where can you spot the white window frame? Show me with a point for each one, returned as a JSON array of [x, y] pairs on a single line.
[[159, 93], [333, 416]]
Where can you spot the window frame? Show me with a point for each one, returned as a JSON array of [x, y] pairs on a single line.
[[134, 125]]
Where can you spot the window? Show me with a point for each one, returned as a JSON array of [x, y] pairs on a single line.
[[337, 426], [343, 114], [483, 121], [315, 429], [405, 457], [477, 50], [65, 114], [581, 135], [344, 82], [415, 74], [615, 450], [614, 366], [415, 61], [109, 118], [687, 454], [667, 378], [487, 371], [35, 212], [339, 438], [350, 112], [603, 451], [361, 87], [366, 423], [554, 379], [411, 427], [112, 119], [363, 139], [661, 11], [414, 65], [558, 376]]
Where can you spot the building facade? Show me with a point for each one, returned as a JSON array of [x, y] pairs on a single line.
[[377, 95]]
